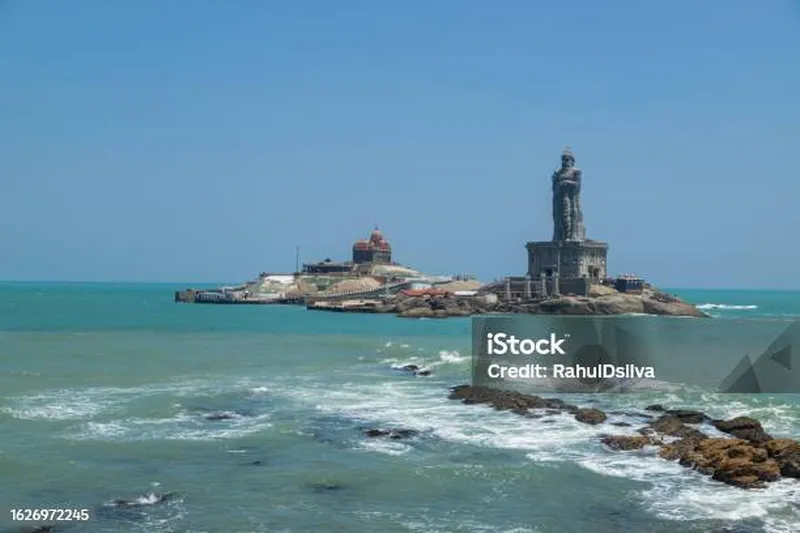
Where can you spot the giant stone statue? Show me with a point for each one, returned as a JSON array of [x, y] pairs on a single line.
[[567, 214]]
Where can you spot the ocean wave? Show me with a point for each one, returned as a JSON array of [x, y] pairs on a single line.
[[673, 492], [89, 403], [727, 307], [183, 426], [445, 357]]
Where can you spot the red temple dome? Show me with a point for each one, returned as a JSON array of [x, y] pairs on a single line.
[[376, 241]]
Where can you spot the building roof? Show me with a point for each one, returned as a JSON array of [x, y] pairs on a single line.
[[376, 241]]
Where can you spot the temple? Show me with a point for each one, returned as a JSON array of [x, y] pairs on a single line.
[[372, 251], [569, 263], [376, 249]]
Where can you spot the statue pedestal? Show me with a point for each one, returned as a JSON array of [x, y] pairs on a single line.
[[567, 259]]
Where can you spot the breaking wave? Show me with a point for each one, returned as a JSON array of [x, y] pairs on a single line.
[[672, 492], [727, 307]]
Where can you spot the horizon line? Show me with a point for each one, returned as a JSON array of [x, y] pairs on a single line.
[[219, 283]]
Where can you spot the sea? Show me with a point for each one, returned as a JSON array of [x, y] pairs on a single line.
[[154, 416]]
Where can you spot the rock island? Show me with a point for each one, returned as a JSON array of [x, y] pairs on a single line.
[[565, 275]]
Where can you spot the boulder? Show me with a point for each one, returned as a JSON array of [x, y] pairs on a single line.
[[564, 305], [672, 426], [618, 304], [786, 453], [688, 416], [590, 416], [411, 303], [418, 312], [743, 427]]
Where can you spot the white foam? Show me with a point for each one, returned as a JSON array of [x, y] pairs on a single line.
[[385, 447], [88, 403], [703, 498], [673, 492], [727, 307], [452, 357], [59, 405]]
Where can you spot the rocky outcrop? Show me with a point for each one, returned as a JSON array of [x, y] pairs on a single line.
[[733, 461], [608, 304], [449, 305], [521, 404], [786, 453], [749, 459], [745, 428]]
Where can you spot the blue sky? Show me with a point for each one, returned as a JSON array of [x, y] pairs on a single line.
[[204, 140]]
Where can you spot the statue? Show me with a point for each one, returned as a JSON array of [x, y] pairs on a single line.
[[567, 214]]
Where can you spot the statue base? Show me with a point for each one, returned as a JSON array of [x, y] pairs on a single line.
[[567, 259]]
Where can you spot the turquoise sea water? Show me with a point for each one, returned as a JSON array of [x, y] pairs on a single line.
[[105, 390]]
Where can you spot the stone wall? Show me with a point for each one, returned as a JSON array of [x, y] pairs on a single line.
[[576, 286]]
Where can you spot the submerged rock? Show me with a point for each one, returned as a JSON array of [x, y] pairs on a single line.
[[325, 487], [416, 370], [220, 416], [625, 442], [394, 434], [147, 499]]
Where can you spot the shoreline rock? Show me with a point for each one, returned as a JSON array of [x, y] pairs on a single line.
[[448, 305], [750, 458]]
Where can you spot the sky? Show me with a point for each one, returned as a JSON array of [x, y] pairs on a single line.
[[203, 140]]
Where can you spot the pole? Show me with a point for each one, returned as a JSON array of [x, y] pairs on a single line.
[[297, 260]]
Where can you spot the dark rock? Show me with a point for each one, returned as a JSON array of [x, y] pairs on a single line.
[[423, 373], [626, 443], [687, 416], [147, 499], [621, 424], [674, 427], [590, 416], [410, 368], [220, 416], [503, 400], [326, 487], [394, 434], [743, 427]]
